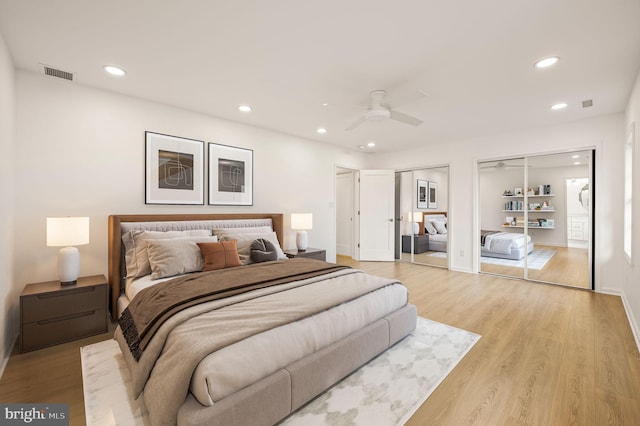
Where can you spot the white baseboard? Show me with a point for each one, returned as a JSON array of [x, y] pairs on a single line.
[[5, 360], [458, 269], [627, 309], [632, 320]]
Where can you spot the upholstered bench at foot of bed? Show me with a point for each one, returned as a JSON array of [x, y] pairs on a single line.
[[273, 398]]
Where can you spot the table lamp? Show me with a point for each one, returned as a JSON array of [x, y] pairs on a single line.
[[413, 219], [301, 222], [68, 232]]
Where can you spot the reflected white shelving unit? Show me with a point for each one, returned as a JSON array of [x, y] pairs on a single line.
[[535, 222]]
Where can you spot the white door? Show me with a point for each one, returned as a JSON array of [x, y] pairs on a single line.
[[376, 193]]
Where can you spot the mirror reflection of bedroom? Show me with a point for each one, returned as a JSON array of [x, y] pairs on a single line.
[[535, 218], [422, 205]]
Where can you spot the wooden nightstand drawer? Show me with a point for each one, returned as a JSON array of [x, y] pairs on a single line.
[[63, 303], [40, 334]]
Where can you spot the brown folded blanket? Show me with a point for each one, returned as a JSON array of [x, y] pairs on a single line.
[[154, 305]]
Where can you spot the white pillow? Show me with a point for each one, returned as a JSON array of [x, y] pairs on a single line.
[[136, 257], [244, 241], [175, 256], [429, 228], [440, 227]]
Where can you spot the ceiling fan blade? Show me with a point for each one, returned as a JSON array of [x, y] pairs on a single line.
[[404, 118], [356, 123]]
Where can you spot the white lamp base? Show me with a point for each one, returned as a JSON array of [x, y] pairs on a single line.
[[301, 240], [68, 265]]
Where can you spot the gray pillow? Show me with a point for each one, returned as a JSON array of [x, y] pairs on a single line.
[[263, 250]]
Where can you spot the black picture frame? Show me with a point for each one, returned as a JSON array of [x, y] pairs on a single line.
[[230, 175], [174, 170]]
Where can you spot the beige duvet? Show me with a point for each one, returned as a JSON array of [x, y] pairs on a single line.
[[165, 371]]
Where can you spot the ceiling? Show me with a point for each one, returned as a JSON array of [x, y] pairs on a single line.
[[464, 67]]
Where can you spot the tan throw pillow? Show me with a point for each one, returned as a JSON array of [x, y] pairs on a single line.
[[220, 255], [136, 257], [175, 256]]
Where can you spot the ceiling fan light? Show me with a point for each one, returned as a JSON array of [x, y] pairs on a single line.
[[377, 114], [546, 62]]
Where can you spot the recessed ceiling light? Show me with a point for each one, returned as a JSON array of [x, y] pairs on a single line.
[[560, 105], [119, 72], [576, 163], [325, 104], [244, 108], [575, 156], [321, 130], [371, 144], [546, 62], [361, 146]]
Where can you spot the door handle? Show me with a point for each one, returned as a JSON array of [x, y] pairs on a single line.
[[391, 220]]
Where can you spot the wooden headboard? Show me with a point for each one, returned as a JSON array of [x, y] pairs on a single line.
[[425, 215], [115, 239]]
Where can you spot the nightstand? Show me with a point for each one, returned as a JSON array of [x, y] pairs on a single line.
[[51, 314], [420, 243], [309, 252]]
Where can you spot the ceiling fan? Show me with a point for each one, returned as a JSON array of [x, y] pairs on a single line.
[[379, 111]]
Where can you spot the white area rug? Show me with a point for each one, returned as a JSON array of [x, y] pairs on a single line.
[[386, 391], [537, 259]]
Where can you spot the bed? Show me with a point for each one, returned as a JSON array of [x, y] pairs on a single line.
[[253, 357], [504, 245], [435, 225]]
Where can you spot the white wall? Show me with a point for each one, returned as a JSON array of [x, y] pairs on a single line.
[[604, 133], [80, 151], [631, 273], [8, 286]]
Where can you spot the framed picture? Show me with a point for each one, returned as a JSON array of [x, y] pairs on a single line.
[[422, 194], [230, 175], [174, 170], [433, 195], [517, 191]]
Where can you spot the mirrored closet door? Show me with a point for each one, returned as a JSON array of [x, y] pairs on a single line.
[[536, 218], [422, 209]]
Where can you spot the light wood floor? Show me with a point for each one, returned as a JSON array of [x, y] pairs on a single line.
[[568, 266], [548, 355]]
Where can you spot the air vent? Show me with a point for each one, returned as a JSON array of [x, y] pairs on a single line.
[[588, 103], [54, 72]]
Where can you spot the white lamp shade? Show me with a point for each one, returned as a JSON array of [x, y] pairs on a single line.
[[301, 221], [67, 231]]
